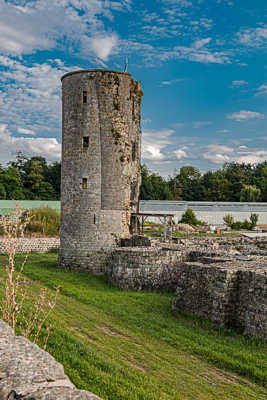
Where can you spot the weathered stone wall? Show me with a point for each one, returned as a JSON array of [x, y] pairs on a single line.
[[228, 294], [221, 279], [34, 245], [141, 268], [100, 177], [30, 373]]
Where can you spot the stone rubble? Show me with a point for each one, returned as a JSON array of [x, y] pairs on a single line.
[[30, 373]]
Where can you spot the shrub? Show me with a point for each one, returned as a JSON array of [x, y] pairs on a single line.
[[229, 220], [44, 221], [190, 218], [237, 225], [246, 225], [253, 219]]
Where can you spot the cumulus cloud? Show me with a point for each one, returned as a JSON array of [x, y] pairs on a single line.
[[47, 24], [244, 115], [33, 94], [10, 146], [154, 142], [223, 131], [26, 131], [103, 46], [256, 37], [181, 153]]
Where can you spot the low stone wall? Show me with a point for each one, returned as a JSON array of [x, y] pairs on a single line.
[[148, 268], [228, 294], [34, 245], [30, 373], [220, 279]]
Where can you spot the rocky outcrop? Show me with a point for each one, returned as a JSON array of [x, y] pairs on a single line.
[[30, 373]]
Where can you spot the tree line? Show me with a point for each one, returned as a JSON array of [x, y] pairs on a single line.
[[34, 179], [30, 179], [233, 182]]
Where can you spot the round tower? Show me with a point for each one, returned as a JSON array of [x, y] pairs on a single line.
[[100, 165]]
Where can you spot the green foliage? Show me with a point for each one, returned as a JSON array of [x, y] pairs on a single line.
[[250, 193], [154, 187], [30, 179], [254, 219], [2, 192], [190, 218], [44, 221], [237, 225], [229, 220]]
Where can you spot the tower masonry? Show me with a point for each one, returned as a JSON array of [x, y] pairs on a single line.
[[100, 165]]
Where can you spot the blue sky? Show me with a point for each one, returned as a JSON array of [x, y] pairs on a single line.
[[202, 64]]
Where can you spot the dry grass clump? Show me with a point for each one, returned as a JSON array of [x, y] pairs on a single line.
[[44, 221], [19, 308]]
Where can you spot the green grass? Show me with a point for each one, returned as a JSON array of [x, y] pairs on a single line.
[[130, 345]]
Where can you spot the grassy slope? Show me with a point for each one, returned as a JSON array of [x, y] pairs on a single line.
[[128, 345]]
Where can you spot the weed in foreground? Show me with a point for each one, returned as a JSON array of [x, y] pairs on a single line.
[[13, 306]]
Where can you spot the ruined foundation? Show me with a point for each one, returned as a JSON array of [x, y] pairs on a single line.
[[100, 165], [223, 280]]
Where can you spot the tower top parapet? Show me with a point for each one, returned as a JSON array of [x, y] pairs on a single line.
[[80, 71]]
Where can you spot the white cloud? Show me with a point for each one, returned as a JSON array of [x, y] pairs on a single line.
[[181, 153], [10, 146], [256, 37], [238, 83], [26, 131], [171, 82], [244, 115], [199, 124], [153, 142], [198, 44], [262, 90], [200, 54], [33, 94], [47, 24], [103, 46], [223, 131]]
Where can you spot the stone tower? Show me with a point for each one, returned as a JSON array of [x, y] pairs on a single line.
[[100, 165]]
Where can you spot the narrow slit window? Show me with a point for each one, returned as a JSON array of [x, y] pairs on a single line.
[[134, 151], [84, 97], [85, 143], [84, 183]]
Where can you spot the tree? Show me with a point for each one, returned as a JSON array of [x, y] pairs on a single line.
[[153, 187], [250, 193], [2, 192], [189, 183], [11, 181], [190, 218]]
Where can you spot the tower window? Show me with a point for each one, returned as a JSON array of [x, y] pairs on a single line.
[[85, 143], [84, 97], [84, 183], [134, 151]]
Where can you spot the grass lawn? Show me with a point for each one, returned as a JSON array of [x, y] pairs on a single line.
[[130, 345]]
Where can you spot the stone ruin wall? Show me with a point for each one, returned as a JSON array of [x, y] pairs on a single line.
[[30, 373], [104, 107], [33, 245], [223, 280]]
